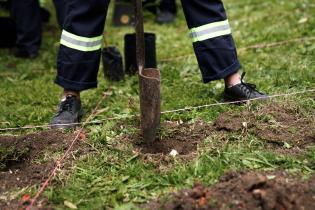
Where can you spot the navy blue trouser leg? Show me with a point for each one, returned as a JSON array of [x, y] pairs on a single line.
[[60, 6], [26, 14], [212, 40], [81, 41], [168, 5], [79, 53]]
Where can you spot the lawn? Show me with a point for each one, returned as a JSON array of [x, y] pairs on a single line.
[[110, 168]]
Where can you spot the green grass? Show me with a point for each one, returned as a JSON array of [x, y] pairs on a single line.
[[112, 176]]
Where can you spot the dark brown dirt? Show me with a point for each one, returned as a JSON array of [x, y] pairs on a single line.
[[244, 191], [279, 125], [229, 121], [27, 160], [182, 137], [276, 123]]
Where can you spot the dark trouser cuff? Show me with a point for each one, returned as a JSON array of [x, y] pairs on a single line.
[[75, 86], [234, 68]]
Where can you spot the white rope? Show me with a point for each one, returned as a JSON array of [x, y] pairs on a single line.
[[164, 112]]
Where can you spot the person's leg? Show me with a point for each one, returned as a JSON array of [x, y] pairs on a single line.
[[168, 5], [212, 39], [79, 55], [214, 47], [80, 45], [26, 15], [61, 7], [149, 5], [167, 11]]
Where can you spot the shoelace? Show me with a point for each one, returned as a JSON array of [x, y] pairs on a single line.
[[248, 87], [67, 104]]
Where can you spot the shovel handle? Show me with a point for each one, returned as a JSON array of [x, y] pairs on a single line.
[[140, 45]]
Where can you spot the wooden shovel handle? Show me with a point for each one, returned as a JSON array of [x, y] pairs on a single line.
[[140, 44]]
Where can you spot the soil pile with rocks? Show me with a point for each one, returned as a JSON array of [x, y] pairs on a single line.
[[244, 191], [180, 137], [276, 123], [279, 125], [28, 160]]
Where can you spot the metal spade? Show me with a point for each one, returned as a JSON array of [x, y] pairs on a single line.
[[149, 80]]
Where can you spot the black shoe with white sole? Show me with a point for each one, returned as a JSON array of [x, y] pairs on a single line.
[[242, 92], [68, 114]]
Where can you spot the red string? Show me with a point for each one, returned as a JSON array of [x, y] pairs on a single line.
[[58, 163]]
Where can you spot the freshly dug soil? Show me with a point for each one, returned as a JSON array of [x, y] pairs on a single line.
[[181, 137], [275, 123], [27, 160], [244, 191]]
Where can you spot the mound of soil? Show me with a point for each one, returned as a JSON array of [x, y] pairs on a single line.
[[180, 137], [245, 190], [27, 160], [275, 123], [279, 124]]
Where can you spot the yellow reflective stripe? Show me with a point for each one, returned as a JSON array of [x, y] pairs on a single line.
[[82, 38], [212, 35], [80, 48], [210, 25], [210, 31]]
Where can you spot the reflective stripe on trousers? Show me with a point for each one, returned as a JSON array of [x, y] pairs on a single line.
[[81, 43], [79, 53], [211, 30]]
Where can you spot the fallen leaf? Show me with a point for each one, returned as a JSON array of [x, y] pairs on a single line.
[[70, 205], [202, 201], [82, 136], [303, 20], [26, 197]]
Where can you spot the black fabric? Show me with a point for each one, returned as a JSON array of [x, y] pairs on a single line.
[[45, 15], [168, 6], [112, 64], [61, 7], [27, 16], [7, 36], [6, 5], [217, 57], [150, 5], [77, 70]]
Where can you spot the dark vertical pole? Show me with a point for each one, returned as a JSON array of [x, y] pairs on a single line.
[[149, 83], [139, 35]]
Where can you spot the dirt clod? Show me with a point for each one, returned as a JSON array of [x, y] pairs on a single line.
[[276, 123], [283, 128], [246, 191], [180, 137], [27, 160], [234, 122]]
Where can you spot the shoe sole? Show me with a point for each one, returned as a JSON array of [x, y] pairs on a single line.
[[244, 101], [70, 125]]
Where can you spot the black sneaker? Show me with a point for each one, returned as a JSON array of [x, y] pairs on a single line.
[[69, 112], [165, 17], [242, 92]]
